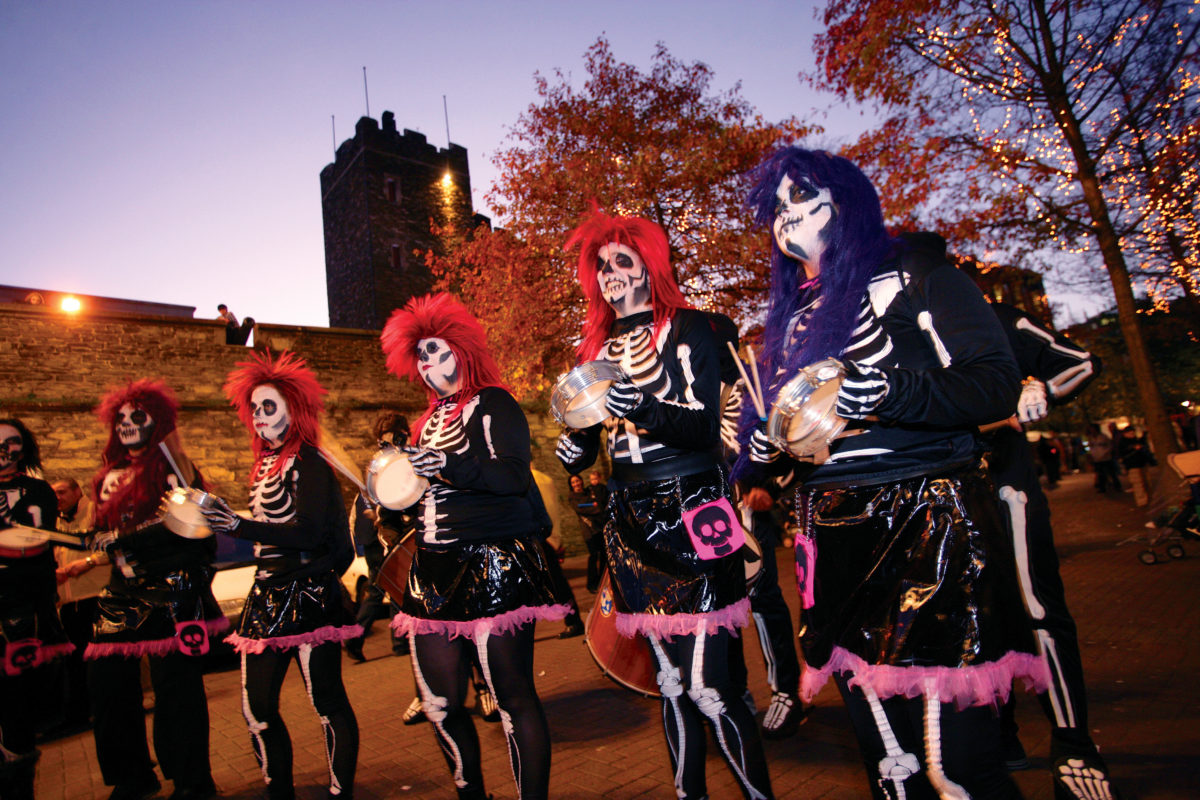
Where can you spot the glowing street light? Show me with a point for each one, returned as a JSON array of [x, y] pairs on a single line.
[[447, 181], [71, 305]]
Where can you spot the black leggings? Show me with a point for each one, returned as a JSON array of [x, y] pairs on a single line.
[[442, 668], [928, 750], [695, 683], [321, 669]]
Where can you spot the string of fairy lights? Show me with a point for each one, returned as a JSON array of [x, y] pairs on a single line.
[[1144, 152]]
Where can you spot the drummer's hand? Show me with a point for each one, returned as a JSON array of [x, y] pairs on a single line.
[[622, 398], [760, 449], [862, 391], [426, 461], [568, 452], [220, 517], [1032, 404], [73, 569], [104, 540]]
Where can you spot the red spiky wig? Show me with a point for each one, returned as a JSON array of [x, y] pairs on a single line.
[[137, 497], [305, 397], [650, 242], [439, 316]]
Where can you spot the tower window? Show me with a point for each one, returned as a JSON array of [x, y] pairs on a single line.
[[397, 257], [391, 190]]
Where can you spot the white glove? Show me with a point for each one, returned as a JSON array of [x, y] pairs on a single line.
[[568, 452], [622, 398], [760, 449], [1032, 404], [426, 461], [103, 540], [862, 391], [220, 517]]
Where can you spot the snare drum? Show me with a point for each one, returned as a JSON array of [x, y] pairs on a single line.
[[628, 661], [20, 541], [578, 398], [391, 481], [803, 420], [182, 514]]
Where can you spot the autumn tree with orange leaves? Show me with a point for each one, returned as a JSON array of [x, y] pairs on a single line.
[[661, 144], [1018, 122]]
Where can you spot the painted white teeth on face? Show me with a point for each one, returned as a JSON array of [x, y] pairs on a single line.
[[272, 417], [438, 366], [803, 214]]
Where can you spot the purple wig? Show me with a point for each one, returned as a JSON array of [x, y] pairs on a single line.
[[856, 245]]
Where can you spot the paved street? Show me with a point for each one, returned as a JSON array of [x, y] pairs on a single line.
[[1139, 630]]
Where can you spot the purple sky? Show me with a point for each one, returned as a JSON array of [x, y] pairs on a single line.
[[171, 151]]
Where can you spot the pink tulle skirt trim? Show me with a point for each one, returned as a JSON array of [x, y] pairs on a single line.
[[404, 624], [986, 684], [53, 651], [665, 626], [329, 633], [150, 647]]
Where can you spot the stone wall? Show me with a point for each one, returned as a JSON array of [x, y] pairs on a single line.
[[58, 366]]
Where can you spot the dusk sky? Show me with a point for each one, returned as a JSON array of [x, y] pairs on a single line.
[[171, 151]]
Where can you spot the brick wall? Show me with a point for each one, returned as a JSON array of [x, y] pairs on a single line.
[[57, 367]]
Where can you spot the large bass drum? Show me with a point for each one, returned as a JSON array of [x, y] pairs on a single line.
[[628, 661], [391, 481], [803, 420], [393, 572], [578, 397]]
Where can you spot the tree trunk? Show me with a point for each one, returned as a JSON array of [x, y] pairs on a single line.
[[1162, 438]]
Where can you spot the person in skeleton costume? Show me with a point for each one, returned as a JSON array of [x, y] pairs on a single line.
[[908, 586], [672, 536], [479, 579], [1057, 371], [158, 603], [31, 635], [294, 610], [770, 612]]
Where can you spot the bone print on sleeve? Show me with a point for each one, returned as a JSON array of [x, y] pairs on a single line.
[[977, 381], [503, 468], [1065, 368]]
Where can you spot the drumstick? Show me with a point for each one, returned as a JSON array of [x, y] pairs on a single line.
[[342, 468], [754, 398], [762, 414], [166, 451]]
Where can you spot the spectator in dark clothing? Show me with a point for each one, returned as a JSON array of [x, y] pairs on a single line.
[[1100, 452], [1050, 454], [591, 526]]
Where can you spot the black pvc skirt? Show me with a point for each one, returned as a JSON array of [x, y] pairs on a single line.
[[148, 608], [913, 574], [476, 581], [651, 560]]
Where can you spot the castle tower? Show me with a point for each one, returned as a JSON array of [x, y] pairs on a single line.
[[378, 199]]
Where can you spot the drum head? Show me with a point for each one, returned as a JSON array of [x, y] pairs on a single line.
[[627, 661], [578, 397], [803, 420], [183, 516], [20, 538], [391, 481]]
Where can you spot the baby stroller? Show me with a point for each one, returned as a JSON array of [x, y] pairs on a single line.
[[1185, 523]]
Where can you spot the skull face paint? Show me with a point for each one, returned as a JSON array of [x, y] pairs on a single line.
[[803, 214], [134, 426], [438, 366], [11, 447], [623, 279], [271, 417]]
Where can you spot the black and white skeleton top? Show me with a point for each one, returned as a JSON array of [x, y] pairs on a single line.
[[25, 500], [678, 371], [299, 520], [482, 494], [948, 365], [1063, 366]]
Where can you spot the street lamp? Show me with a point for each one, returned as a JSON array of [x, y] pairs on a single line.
[[70, 304]]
